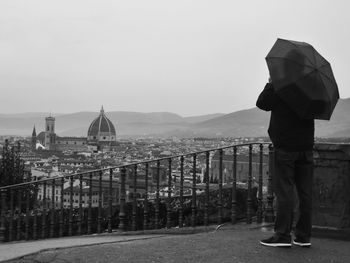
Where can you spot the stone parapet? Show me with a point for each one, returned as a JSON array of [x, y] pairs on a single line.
[[331, 188]]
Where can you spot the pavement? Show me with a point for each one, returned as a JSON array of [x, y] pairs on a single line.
[[226, 243]]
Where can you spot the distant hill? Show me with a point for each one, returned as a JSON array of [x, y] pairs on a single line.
[[126, 123], [251, 122], [25, 115], [339, 124], [254, 122], [202, 118], [245, 123], [77, 124]]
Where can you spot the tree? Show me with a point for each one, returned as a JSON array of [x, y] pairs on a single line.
[[11, 165], [12, 172]]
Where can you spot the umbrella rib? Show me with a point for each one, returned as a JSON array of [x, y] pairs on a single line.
[[302, 51], [303, 65], [323, 74], [311, 72], [314, 53], [327, 94], [306, 66]]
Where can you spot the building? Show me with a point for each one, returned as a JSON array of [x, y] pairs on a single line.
[[50, 135], [95, 188], [101, 136], [101, 133], [50, 189], [242, 167], [33, 141], [47, 191]]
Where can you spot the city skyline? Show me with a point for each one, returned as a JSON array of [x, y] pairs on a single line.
[[189, 58]]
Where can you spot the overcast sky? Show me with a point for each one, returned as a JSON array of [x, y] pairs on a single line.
[[187, 57]]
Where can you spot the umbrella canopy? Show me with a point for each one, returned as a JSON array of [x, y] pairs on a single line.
[[303, 79]]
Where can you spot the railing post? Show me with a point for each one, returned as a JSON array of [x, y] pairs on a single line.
[[19, 219], [157, 197], [194, 194], [122, 199], [35, 220], [168, 211], [27, 214], [134, 200], [52, 219], [234, 187], [11, 230], [269, 216], [181, 191], [70, 223], [260, 194], [80, 204], [206, 180], [220, 187], [145, 209], [89, 220], [249, 188], [61, 222], [99, 216], [110, 201], [3, 215], [11, 215], [43, 213]]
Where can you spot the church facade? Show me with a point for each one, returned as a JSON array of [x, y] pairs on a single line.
[[101, 136]]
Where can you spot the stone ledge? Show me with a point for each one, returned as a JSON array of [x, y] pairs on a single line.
[[332, 151], [331, 233]]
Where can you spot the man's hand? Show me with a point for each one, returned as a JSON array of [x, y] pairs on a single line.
[[267, 98]]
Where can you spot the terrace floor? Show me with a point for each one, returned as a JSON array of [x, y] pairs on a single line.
[[238, 243]]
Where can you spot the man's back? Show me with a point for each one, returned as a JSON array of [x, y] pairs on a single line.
[[287, 131]]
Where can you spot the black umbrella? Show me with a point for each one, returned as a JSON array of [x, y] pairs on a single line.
[[303, 79]]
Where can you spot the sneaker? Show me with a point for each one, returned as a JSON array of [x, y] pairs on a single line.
[[302, 242], [276, 241]]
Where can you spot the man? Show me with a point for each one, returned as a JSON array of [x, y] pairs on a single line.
[[293, 140]]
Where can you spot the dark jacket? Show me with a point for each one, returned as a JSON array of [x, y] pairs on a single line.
[[287, 131]]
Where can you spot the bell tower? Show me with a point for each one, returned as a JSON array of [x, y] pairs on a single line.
[[50, 136], [34, 139]]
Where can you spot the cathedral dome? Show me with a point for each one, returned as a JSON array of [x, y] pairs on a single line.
[[101, 129]]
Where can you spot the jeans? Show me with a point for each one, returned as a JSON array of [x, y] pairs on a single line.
[[293, 170]]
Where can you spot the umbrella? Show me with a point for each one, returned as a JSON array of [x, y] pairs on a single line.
[[303, 79]]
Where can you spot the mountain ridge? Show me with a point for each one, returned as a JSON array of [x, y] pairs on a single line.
[[251, 122]]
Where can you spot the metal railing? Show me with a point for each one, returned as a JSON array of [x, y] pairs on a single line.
[[197, 188]]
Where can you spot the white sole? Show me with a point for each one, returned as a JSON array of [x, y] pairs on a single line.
[[276, 244], [302, 244]]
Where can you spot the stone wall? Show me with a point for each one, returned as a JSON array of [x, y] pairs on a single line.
[[331, 188]]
